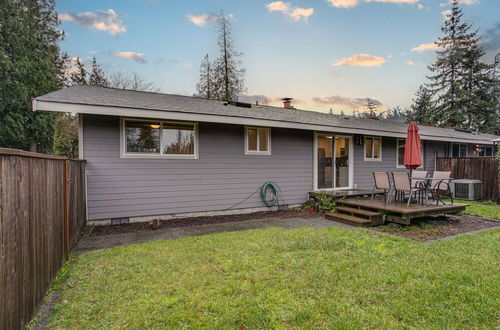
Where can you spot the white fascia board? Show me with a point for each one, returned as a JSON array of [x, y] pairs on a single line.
[[208, 118]]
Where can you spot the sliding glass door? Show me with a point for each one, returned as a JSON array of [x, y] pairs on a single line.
[[333, 164]]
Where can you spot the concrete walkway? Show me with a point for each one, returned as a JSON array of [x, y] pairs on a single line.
[[90, 243]]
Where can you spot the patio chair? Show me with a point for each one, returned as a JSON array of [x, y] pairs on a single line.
[[440, 186], [381, 180], [419, 183], [402, 184]]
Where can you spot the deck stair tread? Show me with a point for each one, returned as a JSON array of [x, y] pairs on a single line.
[[366, 213], [349, 219]]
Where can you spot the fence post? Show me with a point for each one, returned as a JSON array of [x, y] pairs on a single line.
[[66, 206]]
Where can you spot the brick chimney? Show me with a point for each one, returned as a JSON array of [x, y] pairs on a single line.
[[287, 102]]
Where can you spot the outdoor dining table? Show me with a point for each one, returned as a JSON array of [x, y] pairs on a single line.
[[428, 189]]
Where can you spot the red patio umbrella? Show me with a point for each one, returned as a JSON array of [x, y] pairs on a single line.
[[413, 148]]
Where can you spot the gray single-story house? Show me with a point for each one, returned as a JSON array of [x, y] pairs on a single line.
[[152, 155]]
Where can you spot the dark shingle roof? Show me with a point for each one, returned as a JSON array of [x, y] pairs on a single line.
[[101, 96]]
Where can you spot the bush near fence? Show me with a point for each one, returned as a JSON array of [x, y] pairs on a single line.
[[485, 169], [42, 215]]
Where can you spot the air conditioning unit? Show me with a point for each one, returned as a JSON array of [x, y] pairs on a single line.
[[467, 189]]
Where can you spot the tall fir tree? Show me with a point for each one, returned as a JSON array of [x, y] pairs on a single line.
[[79, 76], [421, 108], [206, 85], [460, 81], [97, 76], [228, 72], [30, 65]]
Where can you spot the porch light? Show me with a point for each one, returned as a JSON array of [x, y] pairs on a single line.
[[155, 126]]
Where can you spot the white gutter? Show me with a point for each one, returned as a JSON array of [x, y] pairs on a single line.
[[198, 117]]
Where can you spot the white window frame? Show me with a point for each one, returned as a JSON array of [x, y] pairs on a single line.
[[372, 159], [123, 140], [397, 155], [459, 144], [258, 152], [484, 149]]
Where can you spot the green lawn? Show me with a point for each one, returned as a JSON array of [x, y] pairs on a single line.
[[278, 278], [487, 209]]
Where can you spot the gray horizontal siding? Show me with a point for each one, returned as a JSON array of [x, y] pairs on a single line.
[[363, 170], [221, 177]]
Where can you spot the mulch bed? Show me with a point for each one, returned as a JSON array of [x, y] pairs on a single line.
[[431, 228], [188, 222]]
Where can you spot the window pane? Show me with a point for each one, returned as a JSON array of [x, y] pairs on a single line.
[[463, 150], [252, 139], [488, 151], [368, 148], [142, 137], [401, 152], [455, 150], [376, 148], [178, 139], [263, 139]]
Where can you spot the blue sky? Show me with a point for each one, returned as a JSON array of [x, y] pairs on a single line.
[[324, 53]]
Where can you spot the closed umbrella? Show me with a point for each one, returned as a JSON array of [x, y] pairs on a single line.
[[413, 148]]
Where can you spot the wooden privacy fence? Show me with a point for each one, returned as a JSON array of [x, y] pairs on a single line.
[[42, 214], [485, 169]]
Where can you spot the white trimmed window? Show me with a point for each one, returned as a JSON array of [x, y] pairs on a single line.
[[158, 139], [485, 151], [400, 153], [458, 150], [257, 140], [373, 148]]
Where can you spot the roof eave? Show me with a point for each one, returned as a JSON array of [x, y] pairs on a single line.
[[41, 105]]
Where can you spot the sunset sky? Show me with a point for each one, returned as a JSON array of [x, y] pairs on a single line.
[[323, 53]]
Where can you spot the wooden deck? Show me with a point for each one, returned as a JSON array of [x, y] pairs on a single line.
[[376, 211]]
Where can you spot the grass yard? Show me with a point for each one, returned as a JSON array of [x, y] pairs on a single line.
[[278, 278], [490, 210]]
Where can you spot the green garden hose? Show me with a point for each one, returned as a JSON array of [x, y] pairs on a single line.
[[268, 194]]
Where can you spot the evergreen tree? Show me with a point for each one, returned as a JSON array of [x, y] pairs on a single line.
[[228, 73], [206, 86], [66, 136], [460, 83], [97, 76], [79, 77], [421, 107], [30, 65]]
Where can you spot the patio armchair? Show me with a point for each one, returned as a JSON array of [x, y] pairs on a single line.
[[381, 180], [440, 186], [402, 184]]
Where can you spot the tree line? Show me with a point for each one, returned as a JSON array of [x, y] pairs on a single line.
[[32, 64], [460, 91]]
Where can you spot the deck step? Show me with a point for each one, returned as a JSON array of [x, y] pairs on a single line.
[[348, 219], [353, 210]]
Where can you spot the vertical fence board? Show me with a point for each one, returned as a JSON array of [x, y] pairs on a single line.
[[485, 169], [33, 229]]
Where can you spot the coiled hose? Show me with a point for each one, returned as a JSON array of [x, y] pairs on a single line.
[[268, 194]]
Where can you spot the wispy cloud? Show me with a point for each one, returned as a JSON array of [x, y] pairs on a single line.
[[101, 20], [492, 38], [202, 19], [286, 8], [336, 100], [134, 56], [360, 60], [424, 47], [354, 3]]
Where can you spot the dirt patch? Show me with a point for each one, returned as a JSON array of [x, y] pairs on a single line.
[[431, 228], [189, 222]]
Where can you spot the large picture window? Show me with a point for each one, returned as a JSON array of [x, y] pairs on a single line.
[[150, 138], [373, 148], [257, 141]]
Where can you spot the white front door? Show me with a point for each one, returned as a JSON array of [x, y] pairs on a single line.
[[333, 166]]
